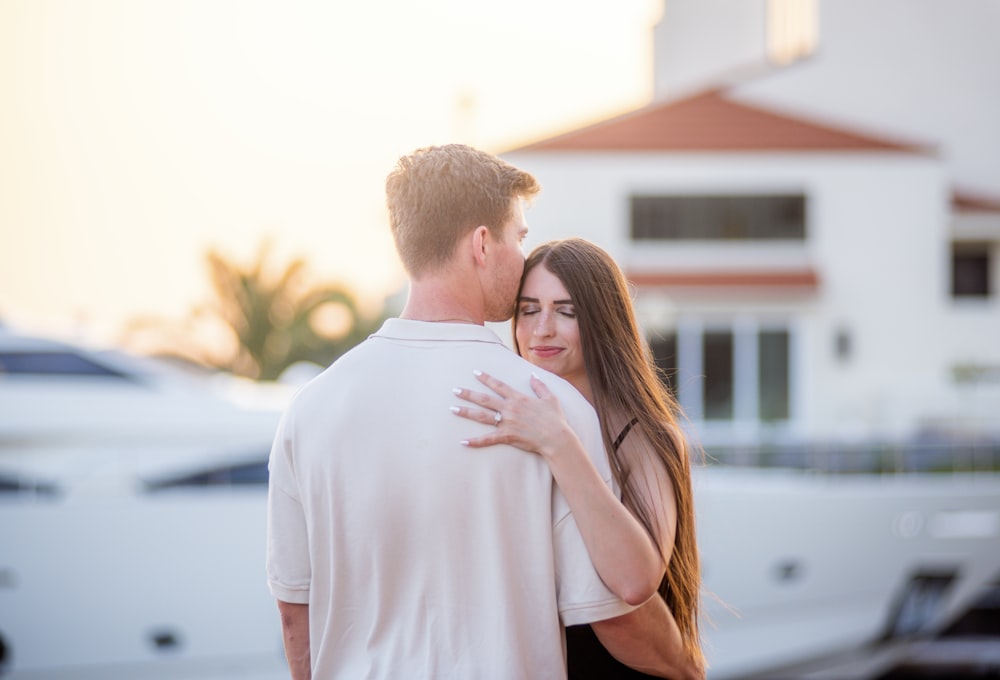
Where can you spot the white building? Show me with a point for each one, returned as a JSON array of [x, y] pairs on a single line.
[[814, 246]]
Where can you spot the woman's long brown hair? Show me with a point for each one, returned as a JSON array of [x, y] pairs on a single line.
[[625, 381]]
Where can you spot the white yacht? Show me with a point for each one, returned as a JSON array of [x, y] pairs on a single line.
[[843, 576], [132, 501], [132, 507]]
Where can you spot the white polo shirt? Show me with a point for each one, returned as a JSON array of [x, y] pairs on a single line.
[[420, 557]]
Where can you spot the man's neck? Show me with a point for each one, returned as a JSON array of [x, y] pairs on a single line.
[[442, 301]]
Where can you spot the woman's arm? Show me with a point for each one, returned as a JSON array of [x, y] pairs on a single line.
[[621, 550], [648, 640]]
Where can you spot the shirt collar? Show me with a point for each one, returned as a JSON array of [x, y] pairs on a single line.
[[409, 329]]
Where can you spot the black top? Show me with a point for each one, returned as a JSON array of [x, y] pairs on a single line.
[[586, 657]]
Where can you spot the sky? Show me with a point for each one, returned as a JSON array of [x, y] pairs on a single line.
[[136, 135]]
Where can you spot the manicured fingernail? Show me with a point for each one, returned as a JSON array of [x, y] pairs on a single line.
[[477, 373], [464, 442], [456, 390], [453, 409]]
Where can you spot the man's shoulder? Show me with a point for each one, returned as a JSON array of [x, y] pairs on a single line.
[[333, 376], [569, 396], [579, 412], [517, 371]]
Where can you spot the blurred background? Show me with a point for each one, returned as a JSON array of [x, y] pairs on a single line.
[[137, 136], [803, 194]]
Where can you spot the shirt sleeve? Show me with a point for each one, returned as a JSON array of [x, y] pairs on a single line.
[[288, 565], [582, 595]]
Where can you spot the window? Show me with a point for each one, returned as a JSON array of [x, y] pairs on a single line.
[[16, 484], [53, 363], [792, 30], [728, 374], [717, 350], [664, 350], [919, 604], [772, 378], [253, 473], [970, 270], [720, 218]]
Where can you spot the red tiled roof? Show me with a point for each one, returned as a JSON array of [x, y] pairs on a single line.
[[965, 202], [729, 279], [711, 122]]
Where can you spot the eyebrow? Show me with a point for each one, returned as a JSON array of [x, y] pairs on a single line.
[[555, 302]]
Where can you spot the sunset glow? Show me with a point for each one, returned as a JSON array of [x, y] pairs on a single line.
[[138, 134]]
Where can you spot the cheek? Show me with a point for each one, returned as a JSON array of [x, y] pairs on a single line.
[[572, 335], [520, 332], [525, 332]]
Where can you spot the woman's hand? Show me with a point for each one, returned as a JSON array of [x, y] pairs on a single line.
[[532, 423], [619, 546]]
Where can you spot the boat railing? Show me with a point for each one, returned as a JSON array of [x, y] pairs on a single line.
[[867, 458]]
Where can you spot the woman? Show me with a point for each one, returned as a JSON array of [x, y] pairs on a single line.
[[574, 317]]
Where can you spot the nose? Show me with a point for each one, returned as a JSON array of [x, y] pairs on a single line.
[[545, 326]]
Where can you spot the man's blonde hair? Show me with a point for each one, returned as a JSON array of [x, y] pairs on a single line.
[[438, 194]]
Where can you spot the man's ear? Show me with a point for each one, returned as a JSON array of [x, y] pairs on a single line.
[[480, 238]]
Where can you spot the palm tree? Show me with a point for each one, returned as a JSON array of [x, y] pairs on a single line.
[[279, 320], [270, 318]]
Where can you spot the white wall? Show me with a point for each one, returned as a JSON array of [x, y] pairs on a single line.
[[925, 71], [879, 233], [705, 42]]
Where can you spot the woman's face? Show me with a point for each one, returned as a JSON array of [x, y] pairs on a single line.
[[547, 331]]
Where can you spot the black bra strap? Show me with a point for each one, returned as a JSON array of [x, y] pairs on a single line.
[[624, 433]]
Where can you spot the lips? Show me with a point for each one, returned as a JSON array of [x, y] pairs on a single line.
[[546, 352]]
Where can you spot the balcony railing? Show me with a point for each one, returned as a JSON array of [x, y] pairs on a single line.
[[868, 458]]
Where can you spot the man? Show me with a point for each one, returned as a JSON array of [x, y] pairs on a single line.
[[393, 550]]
